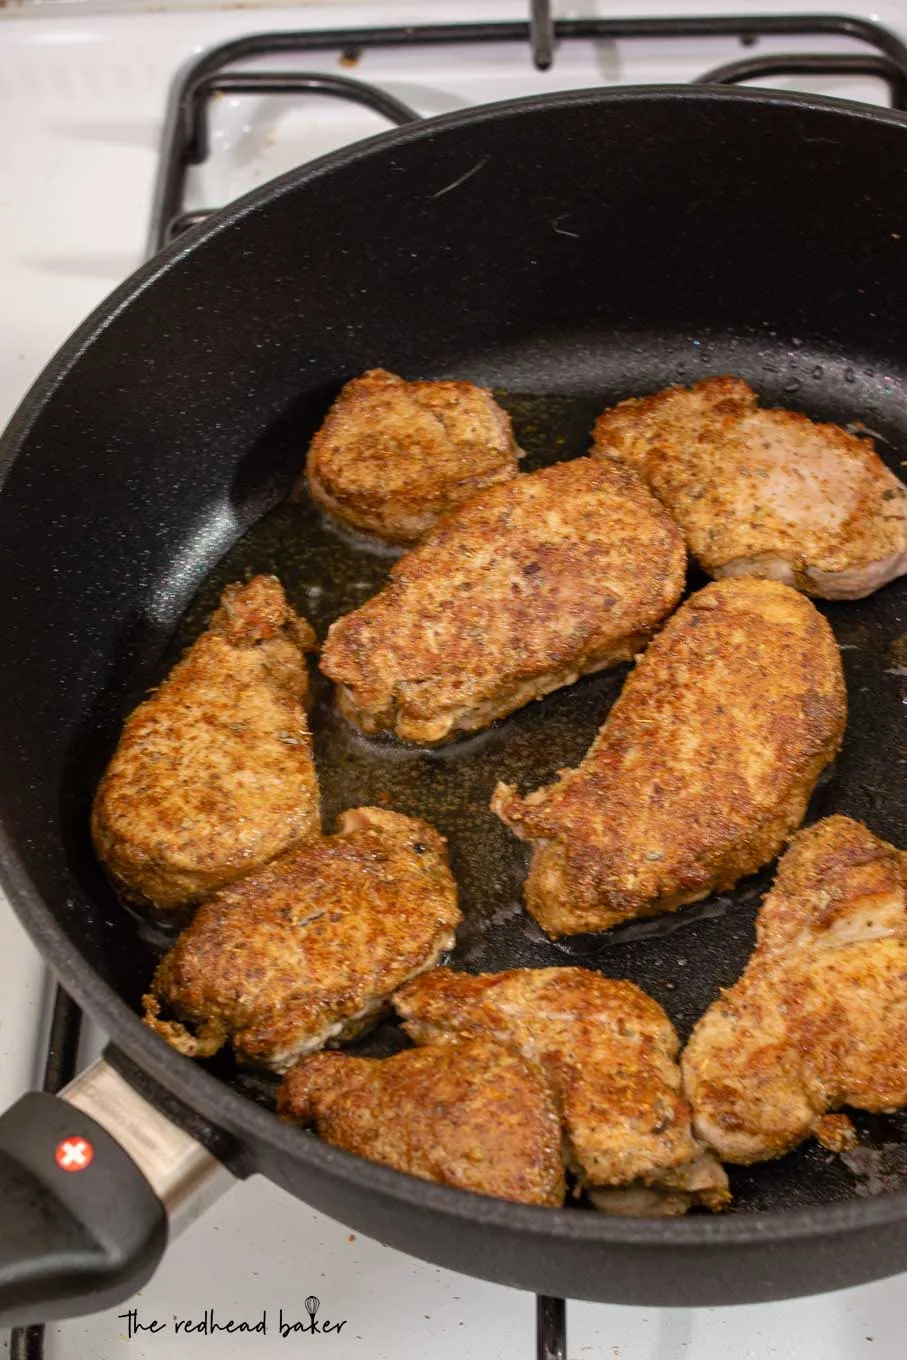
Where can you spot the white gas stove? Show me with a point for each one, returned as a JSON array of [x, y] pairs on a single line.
[[83, 93]]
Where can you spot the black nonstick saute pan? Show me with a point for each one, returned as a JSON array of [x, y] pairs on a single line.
[[568, 251]]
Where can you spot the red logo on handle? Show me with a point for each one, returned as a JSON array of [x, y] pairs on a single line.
[[74, 1154]]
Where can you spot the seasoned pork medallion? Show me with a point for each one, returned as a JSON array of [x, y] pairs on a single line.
[[393, 456], [609, 1053], [703, 767], [213, 774], [307, 951], [524, 588], [819, 1018], [471, 1114], [764, 492]]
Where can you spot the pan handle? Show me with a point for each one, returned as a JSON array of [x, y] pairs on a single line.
[[93, 1182]]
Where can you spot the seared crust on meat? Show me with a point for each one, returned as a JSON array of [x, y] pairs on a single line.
[[521, 590], [213, 774], [392, 456], [764, 493], [308, 950], [704, 765], [610, 1054], [648, 433], [470, 1114], [819, 1018]]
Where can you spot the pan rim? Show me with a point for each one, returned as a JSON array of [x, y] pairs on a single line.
[[225, 1107]]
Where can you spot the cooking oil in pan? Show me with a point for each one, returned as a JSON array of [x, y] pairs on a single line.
[[681, 959]]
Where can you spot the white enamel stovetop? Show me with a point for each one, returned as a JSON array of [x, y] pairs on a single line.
[[82, 91]]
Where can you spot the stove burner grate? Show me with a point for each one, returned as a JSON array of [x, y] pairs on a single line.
[[186, 142]]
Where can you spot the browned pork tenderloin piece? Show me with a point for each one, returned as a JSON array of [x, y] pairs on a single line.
[[819, 1018], [392, 456], [213, 775], [764, 492], [703, 767], [523, 589], [609, 1053], [470, 1114], [307, 951]]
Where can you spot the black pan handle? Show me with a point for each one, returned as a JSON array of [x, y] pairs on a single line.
[[92, 1184]]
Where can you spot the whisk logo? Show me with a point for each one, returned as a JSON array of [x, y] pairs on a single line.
[[312, 1326], [209, 1323]]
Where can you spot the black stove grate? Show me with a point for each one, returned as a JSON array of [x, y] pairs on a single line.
[[27, 1343], [185, 139], [186, 143]]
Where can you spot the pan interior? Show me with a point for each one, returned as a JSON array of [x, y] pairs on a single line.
[[553, 392]]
